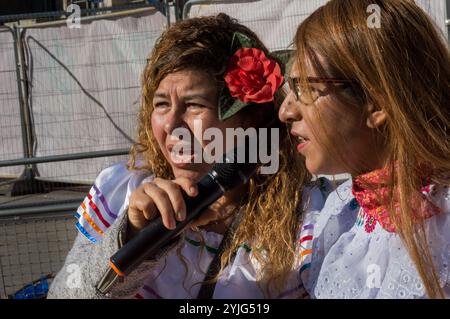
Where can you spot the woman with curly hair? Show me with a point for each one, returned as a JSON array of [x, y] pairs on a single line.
[[213, 71]]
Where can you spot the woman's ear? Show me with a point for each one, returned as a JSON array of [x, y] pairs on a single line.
[[375, 117]]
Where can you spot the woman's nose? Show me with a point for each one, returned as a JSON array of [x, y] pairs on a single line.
[[174, 120], [290, 110]]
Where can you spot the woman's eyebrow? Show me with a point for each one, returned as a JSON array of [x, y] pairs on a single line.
[[196, 96], [161, 95]]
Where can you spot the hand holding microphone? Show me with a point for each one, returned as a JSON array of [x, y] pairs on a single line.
[[165, 198], [148, 241], [159, 197]]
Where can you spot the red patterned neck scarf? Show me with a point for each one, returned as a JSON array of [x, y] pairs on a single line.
[[371, 191]]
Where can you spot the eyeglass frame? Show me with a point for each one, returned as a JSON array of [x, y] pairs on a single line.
[[294, 87]]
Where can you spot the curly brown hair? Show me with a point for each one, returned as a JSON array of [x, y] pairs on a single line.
[[270, 216]]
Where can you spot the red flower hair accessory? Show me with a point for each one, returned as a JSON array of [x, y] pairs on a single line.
[[251, 77]]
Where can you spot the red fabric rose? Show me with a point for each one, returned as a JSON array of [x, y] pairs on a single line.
[[252, 77]]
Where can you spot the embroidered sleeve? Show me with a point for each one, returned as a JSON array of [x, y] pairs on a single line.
[[107, 200]]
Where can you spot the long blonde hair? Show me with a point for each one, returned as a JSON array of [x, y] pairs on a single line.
[[269, 215], [403, 68]]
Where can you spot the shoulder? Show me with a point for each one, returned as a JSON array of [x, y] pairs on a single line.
[[118, 175], [315, 193], [377, 264], [107, 199]]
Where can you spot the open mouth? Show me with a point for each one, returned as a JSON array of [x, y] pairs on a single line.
[[302, 139], [302, 142], [181, 153]]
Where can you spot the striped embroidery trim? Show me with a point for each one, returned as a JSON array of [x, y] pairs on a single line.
[[103, 201], [97, 212], [87, 226], [360, 218], [90, 221], [85, 233], [306, 238], [305, 243], [94, 215]]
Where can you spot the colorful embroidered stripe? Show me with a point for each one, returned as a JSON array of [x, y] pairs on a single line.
[[306, 252], [97, 212], [305, 238], [92, 203], [360, 218], [304, 267], [92, 223], [102, 199], [85, 233], [197, 244], [309, 226], [89, 222], [151, 291]]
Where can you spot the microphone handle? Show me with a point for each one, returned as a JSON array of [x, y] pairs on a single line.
[[149, 241]]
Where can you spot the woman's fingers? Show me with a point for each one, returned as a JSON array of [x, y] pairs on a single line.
[[162, 202], [173, 191], [187, 185], [162, 197], [141, 209]]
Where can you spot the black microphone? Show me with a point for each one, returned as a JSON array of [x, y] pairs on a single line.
[[148, 242]]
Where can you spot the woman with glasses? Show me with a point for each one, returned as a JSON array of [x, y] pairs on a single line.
[[375, 102]]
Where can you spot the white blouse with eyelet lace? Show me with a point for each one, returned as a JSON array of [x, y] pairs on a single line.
[[350, 262]]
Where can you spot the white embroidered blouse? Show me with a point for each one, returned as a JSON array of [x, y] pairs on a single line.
[[350, 261], [107, 203]]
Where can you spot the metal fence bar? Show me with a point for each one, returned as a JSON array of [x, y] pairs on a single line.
[[188, 5], [115, 14], [22, 100], [57, 14], [35, 204], [66, 157], [51, 208]]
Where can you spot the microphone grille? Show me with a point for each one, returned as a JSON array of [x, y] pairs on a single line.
[[231, 173]]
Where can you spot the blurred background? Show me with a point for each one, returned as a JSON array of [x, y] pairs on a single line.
[[69, 98]]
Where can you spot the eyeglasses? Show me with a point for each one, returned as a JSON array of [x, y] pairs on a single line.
[[310, 96]]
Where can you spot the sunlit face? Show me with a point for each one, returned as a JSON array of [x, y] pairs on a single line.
[[346, 131], [182, 98]]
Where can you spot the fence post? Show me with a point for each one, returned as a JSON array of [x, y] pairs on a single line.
[[25, 117]]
